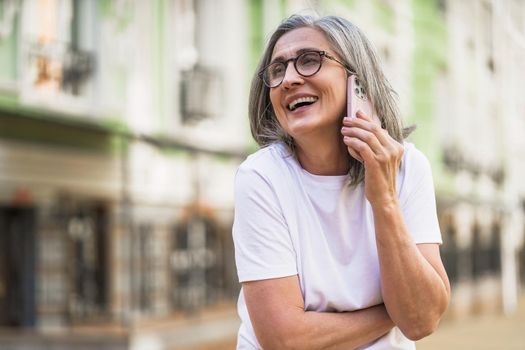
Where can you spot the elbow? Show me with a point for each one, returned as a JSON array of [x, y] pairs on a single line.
[[279, 340], [418, 333], [278, 343], [419, 330], [270, 342], [286, 331], [423, 323]]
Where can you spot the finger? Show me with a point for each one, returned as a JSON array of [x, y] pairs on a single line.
[[374, 127], [354, 154], [362, 115], [382, 135], [373, 118], [352, 151], [365, 136], [361, 148], [362, 119]]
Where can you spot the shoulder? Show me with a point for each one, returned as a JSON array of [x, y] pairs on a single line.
[[414, 161], [258, 186], [265, 162], [415, 169]]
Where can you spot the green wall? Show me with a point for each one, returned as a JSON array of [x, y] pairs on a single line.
[[8, 55], [430, 47]]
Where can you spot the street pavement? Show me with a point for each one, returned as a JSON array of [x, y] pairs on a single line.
[[490, 331], [216, 331]]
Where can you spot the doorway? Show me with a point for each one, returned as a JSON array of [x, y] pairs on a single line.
[[17, 266]]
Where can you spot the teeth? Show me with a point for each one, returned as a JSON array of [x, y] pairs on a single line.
[[292, 105]]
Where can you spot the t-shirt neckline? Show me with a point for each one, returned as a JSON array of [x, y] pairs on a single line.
[[325, 181]]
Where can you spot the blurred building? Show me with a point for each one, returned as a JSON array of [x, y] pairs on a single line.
[[122, 123], [481, 118], [121, 126]]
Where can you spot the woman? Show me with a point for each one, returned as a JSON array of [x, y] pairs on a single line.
[[336, 233]]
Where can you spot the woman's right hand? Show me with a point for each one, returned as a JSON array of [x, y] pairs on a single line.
[[380, 154]]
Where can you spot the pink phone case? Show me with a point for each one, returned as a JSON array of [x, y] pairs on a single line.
[[357, 99]]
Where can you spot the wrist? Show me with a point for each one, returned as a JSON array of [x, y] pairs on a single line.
[[386, 203]]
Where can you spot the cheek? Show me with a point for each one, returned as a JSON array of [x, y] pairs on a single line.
[[274, 100], [335, 89], [338, 97], [341, 90], [277, 108]]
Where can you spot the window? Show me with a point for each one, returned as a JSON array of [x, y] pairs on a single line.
[[58, 49], [196, 264]]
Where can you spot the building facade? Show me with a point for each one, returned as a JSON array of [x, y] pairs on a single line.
[[121, 126], [122, 123]]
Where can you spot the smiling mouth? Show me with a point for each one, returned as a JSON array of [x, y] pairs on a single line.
[[301, 102]]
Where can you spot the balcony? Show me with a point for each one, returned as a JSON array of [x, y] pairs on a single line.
[[57, 74], [201, 94]]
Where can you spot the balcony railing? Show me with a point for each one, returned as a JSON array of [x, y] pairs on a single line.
[[59, 67], [201, 94]]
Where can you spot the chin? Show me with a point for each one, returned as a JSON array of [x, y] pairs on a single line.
[[302, 130]]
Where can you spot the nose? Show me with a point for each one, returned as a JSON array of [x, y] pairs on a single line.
[[291, 77]]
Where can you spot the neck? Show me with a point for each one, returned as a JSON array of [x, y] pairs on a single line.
[[323, 157]]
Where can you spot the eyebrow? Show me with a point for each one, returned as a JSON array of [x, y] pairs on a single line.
[[297, 53]]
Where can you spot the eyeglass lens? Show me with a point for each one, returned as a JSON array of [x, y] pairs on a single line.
[[306, 64]]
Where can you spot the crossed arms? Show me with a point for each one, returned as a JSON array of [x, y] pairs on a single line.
[[415, 291], [414, 302]]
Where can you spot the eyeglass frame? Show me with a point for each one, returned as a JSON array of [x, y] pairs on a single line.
[[321, 53]]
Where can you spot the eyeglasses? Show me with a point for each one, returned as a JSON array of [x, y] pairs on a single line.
[[306, 64]]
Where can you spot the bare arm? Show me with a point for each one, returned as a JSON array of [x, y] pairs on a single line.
[[414, 283], [276, 309]]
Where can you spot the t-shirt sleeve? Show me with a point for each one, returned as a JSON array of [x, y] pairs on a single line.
[[263, 246], [418, 200]]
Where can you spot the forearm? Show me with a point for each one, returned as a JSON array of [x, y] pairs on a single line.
[[276, 310], [414, 293], [345, 330]]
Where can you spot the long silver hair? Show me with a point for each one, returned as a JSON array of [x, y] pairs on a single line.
[[356, 51]]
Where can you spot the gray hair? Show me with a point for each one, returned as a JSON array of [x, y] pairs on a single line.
[[356, 51]]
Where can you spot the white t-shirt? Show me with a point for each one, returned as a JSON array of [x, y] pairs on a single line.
[[290, 222]]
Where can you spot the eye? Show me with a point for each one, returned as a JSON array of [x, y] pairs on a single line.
[[275, 69], [309, 59]]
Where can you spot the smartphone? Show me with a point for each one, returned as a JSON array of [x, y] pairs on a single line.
[[357, 99]]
